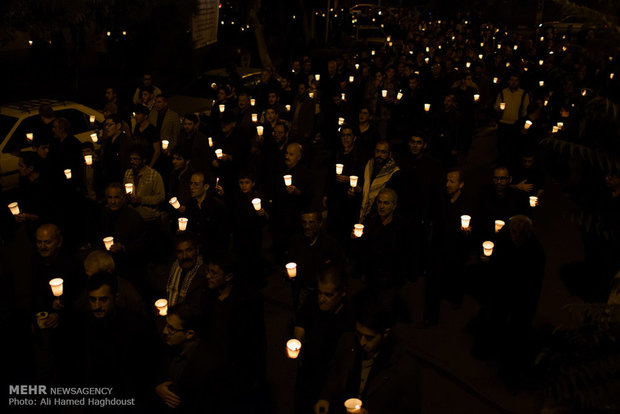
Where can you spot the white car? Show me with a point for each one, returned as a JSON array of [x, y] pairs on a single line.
[[21, 118]]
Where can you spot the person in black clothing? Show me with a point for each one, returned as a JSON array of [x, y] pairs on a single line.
[[145, 135], [207, 217], [65, 151], [116, 146], [318, 325], [195, 142], [35, 193], [179, 184], [343, 206], [271, 158]]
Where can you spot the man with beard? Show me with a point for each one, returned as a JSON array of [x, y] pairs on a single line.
[[148, 187], [182, 281], [368, 364], [195, 142], [145, 135], [377, 174], [194, 376], [115, 148]]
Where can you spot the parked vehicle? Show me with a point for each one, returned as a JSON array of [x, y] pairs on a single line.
[[21, 118]]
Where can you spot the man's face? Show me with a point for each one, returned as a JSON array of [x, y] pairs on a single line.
[[140, 117], [110, 94], [331, 68], [136, 162], [146, 97], [453, 182], [147, 80], [221, 95], [416, 145], [189, 126], [178, 162], [279, 133], [43, 151], [270, 115], [382, 153], [527, 162], [216, 278], [369, 340], [110, 128], [48, 244], [197, 186], [448, 102], [413, 84], [265, 76], [292, 156], [101, 302], [187, 254], [246, 185], [243, 101], [501, 179], [329, 296], [160, 103], [363, 116], [173, 331], [311, 225], [115, 198], [56, 129], [272, 98], [513, 82], [301, 89], [347, 138], [385, 205]]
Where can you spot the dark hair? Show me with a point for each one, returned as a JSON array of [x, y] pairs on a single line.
[[312, 210], [116, 118], [192, 117], [346, 126], [63, 124], [138, 150], [40, 139], [247, 174], [459, 171], [384, 142], [141, 109], [46, 111], [225, 262], [182, 152], [149, 89], [283, 124], [373, 313], [100, 279], [88, 145], [189, 316], [31, 159], [186, 236], [335, 274]]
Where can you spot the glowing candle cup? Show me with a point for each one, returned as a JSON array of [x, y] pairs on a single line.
[[94, 137], [56, 285], [162, 306], [210, 142], [108, 242], [174, 202], [252, 101], [288, 108], [222, 107], [339, 168], [254, 117], [14, 207], [182, 222], [465, 220], [68, 174], [291, 270], [92, 119], [293, 346], [476, 97], [259, 130], [340, 121], [353, 180], [498, 225], [384, 93], [219, 153], [88, 159], [353, 406], [487, 248], [288, 180], [30, 136], [256, 204], [358, 230], [528, 124], [502, 106], [129, 188], [533, 201], [164, 144], [427, 107]]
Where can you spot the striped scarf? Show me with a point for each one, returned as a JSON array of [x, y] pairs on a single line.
[[176, 294], [372, 187]]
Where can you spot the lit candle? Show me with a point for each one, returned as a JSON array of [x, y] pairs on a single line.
[[288, 180], [467, 64], [584, 92], [357, 66], [515, 47], [528, 124], [476, 97], [288, 108], [210, 142], [256, 204], [94, 137], [340, 121], [498, 225], [540, 62], [502, 106], [88, 159], [427, 49], [108, 242], [259, 130], [389, 38], [252, 101], [317, 77], [507, 64], [611, 75], [560, 125], [339, 168], [293, 346], [533, 201], [56, 285], [427, 107], [480, 56], [353, 406], [372, 52], [351, 79], [92, 119], [546, 102], [426, 60], [541, 83], [358, 230], [222, 107], [353, 180], [129, 188], [495, 79], [182, 222], [218, 153], [343, 96], [465, 220], [487, 247], [14, 207], [164, 144], [555, 129], [384, 93], [162, 306], [399, 96], [30, 136], [291, 269], [254, 117], [68, 173], [311, 95], [481, 44], [174, 202]]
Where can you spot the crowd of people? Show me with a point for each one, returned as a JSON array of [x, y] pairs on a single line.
[[352, 168]]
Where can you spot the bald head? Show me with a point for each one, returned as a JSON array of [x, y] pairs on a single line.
[[293, 154], [98, 261], [49, 240]]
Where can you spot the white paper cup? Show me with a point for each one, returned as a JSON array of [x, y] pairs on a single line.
[[358, 230], [291, 270], [162, 306], [108, 242], [487, 248], [293, 347], [56, 285], [257, 204], [182, 222], [174, 202]]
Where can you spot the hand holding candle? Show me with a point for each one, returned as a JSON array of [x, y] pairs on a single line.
[[14, 207], [288, 180], [353, 181], [257, 204]]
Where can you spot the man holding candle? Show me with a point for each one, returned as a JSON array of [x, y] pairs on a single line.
[[35, 192], [145, 135], [377, 174], [195, 141], [165, 121], [65, 150], [515, 101], [179, 184], [115, 149], [183, 282], [148, 187]]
